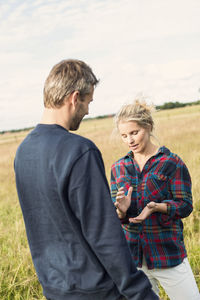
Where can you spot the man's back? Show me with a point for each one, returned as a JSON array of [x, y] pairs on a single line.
[[71, 224], [44, 161]]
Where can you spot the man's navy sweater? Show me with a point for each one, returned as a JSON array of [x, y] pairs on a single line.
[[78, 248]]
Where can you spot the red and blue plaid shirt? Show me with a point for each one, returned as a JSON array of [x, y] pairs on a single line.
[[164, 178]]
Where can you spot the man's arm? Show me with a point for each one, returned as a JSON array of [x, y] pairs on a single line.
[[101, 226]]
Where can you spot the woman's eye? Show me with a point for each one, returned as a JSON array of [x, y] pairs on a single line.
[[135, 132]]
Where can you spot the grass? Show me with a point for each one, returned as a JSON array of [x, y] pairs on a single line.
[[178, 129]]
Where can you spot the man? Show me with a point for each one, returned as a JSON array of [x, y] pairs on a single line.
[[78, 248]]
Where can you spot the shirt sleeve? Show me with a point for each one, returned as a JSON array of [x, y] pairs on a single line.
[[113, 186], [92, 205], [180, 205]]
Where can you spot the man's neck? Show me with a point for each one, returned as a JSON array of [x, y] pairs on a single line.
[[54, 116]]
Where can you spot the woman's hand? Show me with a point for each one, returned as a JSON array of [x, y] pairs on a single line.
[[123, 202], [148, 210]]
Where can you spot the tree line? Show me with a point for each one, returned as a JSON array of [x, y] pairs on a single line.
[[170, 105], [166, 105]]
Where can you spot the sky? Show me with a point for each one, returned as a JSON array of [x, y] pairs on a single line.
[[137, 48]]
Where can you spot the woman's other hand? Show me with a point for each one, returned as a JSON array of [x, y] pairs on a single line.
[[123, 202]]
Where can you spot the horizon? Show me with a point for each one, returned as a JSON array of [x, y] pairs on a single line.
[[88, 118]]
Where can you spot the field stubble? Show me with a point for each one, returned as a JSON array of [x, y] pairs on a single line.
[[177, 129]]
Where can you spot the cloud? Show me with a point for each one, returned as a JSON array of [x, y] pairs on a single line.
[[132, 46]]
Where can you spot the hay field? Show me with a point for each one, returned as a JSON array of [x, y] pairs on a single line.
[[177, 129]]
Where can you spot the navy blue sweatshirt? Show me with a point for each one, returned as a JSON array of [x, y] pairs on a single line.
[[77, 245]]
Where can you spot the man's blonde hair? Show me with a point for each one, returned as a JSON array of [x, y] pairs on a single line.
[[66, 77]]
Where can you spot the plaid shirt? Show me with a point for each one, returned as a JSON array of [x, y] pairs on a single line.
[[166, 179]]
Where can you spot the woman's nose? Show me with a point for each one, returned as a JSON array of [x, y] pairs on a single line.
[[130, 139]]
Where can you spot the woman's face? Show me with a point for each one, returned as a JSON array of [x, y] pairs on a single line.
[[136, 137]]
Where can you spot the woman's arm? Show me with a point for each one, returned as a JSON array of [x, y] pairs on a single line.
[[121, 202], [180, 204]]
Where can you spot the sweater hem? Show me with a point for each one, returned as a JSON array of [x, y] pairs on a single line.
[[82, 295]]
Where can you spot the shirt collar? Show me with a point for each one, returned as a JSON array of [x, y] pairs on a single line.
[[162, 149]]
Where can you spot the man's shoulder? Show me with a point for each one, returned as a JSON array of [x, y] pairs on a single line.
[[59, 136], [74, 146], [55, 140], [77, 140]]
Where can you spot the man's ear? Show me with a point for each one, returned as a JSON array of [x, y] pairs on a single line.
[[74, 98]]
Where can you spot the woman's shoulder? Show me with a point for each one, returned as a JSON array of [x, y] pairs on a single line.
[[170, 156], [122, 161]]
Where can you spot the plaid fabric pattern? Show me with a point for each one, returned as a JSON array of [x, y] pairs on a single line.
[[164, 178]]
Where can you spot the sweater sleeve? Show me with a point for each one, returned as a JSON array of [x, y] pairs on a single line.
[[91, 203]]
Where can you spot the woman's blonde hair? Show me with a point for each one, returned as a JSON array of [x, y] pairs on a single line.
[[138, 112]]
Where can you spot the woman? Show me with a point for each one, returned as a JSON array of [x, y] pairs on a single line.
[[151, 189]]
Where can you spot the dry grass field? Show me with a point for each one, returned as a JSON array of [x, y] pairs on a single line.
[[177, 129]]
